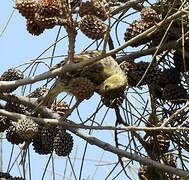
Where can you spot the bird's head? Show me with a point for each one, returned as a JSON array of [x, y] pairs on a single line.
[[113, 85]]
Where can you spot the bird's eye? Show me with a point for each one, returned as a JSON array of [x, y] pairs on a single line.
[[106, 86]]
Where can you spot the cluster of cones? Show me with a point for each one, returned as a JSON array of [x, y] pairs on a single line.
[[44, 14], [166, 83], [7, 176], [44, 139]]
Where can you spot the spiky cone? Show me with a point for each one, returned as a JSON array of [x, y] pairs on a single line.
[[12, 135], [135, 71], [63, 143], [15, 107], [180, 64], [92, 27], [169, 76], [174, 33], [27, 8], [162, 7], [95, 8], [11, 74], [4, 123], [74, 3], [170, 159], [159, 145], [45, 22], [38, 92], [17, 178], [175, 93], [127, 67], [5, 176], [43, 141], [156, 91], [49, 8], [26, 129], [113, 2], [137, 27], [157, 37], [82, 88], [148, 172], [11, 107], [33, 27], [175, 177], [153, 121], [148, 14], [60, 107]]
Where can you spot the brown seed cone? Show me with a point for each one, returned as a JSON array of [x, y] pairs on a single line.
[[33, 28], [155, 90], [169, 76], [17, 178], [49, 8], [60, 107], [162, 7], [159, 145], [81, 88], [74, 3], [170, 160], [5, 176], [137, 27], [45, 22], [92, 27], [135, 71], [179, 63], [63, 143], [4, 123], [95, 8], [11, 74], [12, 135], [26, 128], [148, 14], [14, 107], [113, 2], [149, 172], [157, 37], [27, 8], [175, 177], [153, 121], [43, 141], [39, 92], [175, 93]]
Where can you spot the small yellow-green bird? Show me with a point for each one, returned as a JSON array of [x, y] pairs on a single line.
[[103, 76]]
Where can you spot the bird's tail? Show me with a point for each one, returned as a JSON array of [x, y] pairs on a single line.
[[49, 97]]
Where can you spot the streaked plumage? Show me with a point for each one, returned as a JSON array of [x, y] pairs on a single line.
[[105, 74]]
